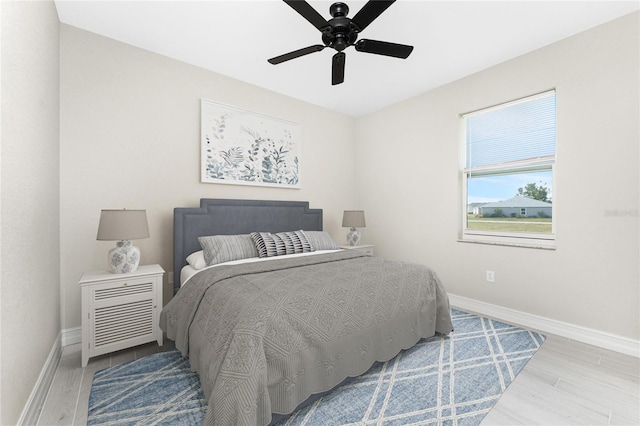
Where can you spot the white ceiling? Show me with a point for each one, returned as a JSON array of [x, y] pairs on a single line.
[[452, 39]]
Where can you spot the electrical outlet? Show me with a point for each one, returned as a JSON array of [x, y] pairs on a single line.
[[491, 276]]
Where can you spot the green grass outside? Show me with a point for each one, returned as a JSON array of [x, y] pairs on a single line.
[[513, 224]]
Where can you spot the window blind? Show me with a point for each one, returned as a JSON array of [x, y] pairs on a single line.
[[517, 131]]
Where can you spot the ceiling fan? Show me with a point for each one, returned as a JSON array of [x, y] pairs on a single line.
[[341, 32]]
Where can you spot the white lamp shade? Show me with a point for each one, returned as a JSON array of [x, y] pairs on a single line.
[[116, 225], [353, 219]]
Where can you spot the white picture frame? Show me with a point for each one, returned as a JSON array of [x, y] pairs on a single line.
[[241, 147]]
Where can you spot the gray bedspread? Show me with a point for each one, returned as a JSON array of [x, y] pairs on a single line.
[[265, 336]]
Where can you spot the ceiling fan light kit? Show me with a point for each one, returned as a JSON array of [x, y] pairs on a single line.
[[341, 32]]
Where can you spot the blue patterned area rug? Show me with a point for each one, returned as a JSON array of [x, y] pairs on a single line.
[[452, 379], [156, 389]]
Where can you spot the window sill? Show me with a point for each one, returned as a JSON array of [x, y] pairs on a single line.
[[510, 242]]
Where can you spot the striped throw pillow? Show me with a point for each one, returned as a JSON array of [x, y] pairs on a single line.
[[269, 245], [224, 248], [320, 240]]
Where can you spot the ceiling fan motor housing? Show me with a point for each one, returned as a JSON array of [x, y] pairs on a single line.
[[341, 32]]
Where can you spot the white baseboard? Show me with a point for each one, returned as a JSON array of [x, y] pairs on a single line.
[[71, 336], [33, 408], [571, 331]]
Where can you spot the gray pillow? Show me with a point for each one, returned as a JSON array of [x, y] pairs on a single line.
[[224, 248], [320, 240]]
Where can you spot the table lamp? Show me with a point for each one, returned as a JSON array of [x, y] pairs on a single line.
[[353, 219], [123, 226]]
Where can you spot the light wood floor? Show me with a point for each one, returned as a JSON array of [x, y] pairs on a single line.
[[68, 398], [565, 383]]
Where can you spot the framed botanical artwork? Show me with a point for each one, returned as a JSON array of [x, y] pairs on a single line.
[[245, 148]]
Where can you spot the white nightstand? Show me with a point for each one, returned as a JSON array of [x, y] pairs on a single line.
[[120, 310], [367, 248]]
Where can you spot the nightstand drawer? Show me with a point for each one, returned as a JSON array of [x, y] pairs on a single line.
[[366, 248], [126, 289]]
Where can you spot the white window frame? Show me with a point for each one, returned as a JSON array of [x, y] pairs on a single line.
[[509, 238]]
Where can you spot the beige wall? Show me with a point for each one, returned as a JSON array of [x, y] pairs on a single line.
[[29, 199], [130, 137], [408, 183]]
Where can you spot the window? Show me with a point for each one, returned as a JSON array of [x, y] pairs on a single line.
[[508, 162]]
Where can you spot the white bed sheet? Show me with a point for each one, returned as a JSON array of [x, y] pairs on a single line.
[[188, 271]]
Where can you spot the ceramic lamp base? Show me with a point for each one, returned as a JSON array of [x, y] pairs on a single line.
[[124, 258], [353, 237]]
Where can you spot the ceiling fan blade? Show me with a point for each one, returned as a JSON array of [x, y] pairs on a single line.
[[308, 13], [369, 12], [296, 54], [384, 48], [337, 68]]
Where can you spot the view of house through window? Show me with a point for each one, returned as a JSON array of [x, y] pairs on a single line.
[[519, 202], [509, 158]]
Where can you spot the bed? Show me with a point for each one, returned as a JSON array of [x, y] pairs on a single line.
[[291, 315]]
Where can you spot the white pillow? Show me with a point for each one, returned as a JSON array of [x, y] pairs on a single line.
[[196, 260]]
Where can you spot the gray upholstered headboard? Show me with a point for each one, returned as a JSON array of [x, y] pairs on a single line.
[[229, 217]]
